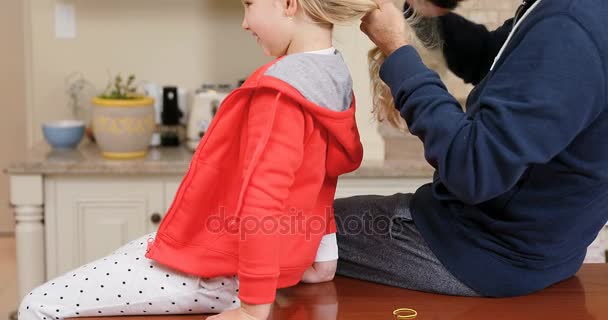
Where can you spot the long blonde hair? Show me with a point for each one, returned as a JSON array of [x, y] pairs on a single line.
[[426, 37], [341, 11]]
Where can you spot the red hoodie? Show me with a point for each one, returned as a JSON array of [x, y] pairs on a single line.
[[258, 195]]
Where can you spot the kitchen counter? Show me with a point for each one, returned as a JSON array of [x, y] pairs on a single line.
[[87, 159], [75, 206], [72, 207], [580, 297]]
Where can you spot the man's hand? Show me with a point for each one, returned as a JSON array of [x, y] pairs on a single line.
[[245, 312], [385, 26]]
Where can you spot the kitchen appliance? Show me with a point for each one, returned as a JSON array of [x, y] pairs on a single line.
[[155, 91], [206, 104], [170, 118]]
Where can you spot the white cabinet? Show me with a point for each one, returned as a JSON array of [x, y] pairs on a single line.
[[89, 217], [74, 207], [348, 187], [86, 217], [171, 187]]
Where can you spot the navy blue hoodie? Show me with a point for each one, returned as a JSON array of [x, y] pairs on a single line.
[[521, 182]]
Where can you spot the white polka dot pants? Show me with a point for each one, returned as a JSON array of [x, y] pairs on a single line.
[[127, 283]]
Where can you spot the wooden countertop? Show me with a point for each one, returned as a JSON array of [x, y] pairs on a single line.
[[580, 298]]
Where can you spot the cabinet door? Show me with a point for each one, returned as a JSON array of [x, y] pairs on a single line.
[[348, 187], [170, 190], [88, 218], [171, 187]]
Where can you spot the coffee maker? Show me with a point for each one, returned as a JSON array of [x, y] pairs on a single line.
[[170, 118]]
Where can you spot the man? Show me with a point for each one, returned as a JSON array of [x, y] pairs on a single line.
[[521, 182]]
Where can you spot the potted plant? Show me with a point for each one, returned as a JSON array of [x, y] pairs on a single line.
[[123, 120]]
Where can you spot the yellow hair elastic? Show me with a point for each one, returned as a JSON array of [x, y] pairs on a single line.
[[405, 313]]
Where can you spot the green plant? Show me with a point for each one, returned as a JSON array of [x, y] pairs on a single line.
[[118, 89]]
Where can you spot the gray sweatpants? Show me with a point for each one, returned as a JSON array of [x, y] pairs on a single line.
[[379, 242]]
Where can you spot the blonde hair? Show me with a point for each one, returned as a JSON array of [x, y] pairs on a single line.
[[332, 12], [426, 37], [336, 11]]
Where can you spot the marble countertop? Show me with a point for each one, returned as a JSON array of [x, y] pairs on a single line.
[[87, 159]]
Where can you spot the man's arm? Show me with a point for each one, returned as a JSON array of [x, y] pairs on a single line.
[[540, 98], [469, 48]]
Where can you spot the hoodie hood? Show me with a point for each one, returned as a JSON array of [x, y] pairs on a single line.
[[344, 148], [322, 85]]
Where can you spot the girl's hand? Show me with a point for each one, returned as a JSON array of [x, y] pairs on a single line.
[[245, 312], [236, 314], [320, 272]]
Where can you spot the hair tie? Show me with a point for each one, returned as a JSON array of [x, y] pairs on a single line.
[[405, 313]]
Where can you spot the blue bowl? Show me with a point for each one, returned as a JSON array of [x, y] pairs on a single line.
[[63, 134]]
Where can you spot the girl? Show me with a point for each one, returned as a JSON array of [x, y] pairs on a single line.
[[254, 211]]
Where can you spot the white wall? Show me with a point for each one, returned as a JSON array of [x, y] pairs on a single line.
[[181, 42], [12, 104]]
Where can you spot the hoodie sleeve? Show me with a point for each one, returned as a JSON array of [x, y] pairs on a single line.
[[275, 148], [542, 95], [469, 48]]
